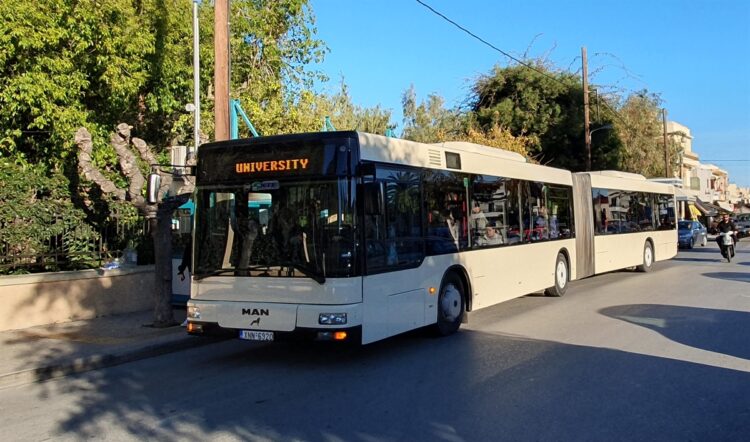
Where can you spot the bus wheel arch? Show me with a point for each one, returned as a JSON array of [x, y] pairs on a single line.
[[648, 255], [562, 274], [452, 301]]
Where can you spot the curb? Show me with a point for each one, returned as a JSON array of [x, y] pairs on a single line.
[[95, 362]]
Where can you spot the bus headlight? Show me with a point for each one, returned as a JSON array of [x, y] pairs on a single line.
[[193, 312], [332, 319]]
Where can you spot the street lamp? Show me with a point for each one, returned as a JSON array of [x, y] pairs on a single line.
[[588, 143]]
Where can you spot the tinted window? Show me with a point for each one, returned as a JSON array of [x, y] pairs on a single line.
[[494, 211], [446, 211], [393, 239]]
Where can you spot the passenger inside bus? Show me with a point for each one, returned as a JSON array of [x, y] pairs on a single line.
[[490, 237]]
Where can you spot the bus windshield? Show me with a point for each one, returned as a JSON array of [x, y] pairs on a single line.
[[299, 228]]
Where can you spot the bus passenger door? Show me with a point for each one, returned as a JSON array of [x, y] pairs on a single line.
[[393, 298]]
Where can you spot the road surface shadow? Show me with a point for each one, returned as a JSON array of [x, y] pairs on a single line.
[[698, 259], [730, 276], [472, 386], [720, 331]]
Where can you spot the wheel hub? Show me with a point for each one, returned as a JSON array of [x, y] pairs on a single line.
[[450, 304]]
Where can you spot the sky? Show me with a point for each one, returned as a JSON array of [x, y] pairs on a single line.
[[694, 53]]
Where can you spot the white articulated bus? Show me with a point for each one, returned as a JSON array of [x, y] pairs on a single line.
[[359, 237]]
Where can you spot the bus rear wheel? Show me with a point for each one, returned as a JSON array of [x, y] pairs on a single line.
[[561, 277], [648, 258], [450, 305]]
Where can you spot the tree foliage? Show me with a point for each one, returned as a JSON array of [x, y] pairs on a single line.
[[545, 106], [89, 63], [430, 122], [641, 132]]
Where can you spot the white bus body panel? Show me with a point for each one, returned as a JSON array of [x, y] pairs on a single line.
[[614, 252], [289, 302], [278, 290], [475, 160], [505, 273], [279, 317]]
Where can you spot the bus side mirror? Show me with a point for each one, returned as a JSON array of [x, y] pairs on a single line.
[[374, 198], [152, 189]]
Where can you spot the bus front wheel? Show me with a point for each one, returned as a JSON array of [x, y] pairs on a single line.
[[561, 277], [450, 305], [648, 258]]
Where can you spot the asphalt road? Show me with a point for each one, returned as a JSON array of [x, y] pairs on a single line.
[[623, 356]]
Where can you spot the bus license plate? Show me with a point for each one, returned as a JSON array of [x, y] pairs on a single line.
[[252, 335]]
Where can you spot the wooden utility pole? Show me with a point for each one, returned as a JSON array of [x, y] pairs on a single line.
[[667, 173], [221, 69], [586, 132]]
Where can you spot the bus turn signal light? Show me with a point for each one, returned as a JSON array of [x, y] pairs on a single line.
[[432, 290], [194, 328]]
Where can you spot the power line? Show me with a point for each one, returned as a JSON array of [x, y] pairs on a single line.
[[485, 42]]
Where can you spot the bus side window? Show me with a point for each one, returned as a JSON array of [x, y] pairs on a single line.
[[447, 212], [393, 234]]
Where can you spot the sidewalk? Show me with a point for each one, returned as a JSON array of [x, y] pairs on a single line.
[[44, 352]]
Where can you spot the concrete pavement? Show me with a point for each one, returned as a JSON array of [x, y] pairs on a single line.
[[44, 352]]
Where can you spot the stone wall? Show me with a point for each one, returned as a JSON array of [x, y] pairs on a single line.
[[45, 298]]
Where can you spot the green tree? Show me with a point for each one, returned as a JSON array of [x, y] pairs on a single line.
[[273, 45], [640, 128], [344, 114], [430, 122], [67, 64], [545, 106]]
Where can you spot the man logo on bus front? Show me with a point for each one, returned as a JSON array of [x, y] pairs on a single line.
[[255, 321]]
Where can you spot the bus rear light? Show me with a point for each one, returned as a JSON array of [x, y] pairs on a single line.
[[332, 319]]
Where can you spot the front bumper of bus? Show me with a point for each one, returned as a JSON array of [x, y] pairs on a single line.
[[272, 321]]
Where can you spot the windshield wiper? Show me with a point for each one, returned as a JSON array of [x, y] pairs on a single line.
[[216, 272], [317, 278]]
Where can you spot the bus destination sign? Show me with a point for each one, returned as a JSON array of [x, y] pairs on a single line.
[[292, 165]]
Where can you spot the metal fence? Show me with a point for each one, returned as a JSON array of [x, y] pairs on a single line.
[[79, 248]]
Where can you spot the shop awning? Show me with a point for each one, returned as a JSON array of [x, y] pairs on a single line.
[[725, 206], [694, 211], [680, 195], [708, 209]]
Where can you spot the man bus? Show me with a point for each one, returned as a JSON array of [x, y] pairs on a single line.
[[361, 237]]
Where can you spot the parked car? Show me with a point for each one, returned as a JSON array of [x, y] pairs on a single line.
[[742, 222], [690, 233]]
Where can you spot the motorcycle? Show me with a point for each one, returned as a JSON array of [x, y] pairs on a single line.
[[726, 244]]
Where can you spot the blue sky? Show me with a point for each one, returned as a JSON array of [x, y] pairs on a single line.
[[694, 53]]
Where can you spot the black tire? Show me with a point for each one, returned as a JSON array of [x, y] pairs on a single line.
[[730, 252], [648, 258], [691, 244], [450, 305], [562, 276]]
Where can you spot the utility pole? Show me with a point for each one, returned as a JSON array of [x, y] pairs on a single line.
[[666, 146], [196, 82], [586, 133], [221, 69]]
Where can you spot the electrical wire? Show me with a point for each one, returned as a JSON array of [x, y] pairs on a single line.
[[527, 65]]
